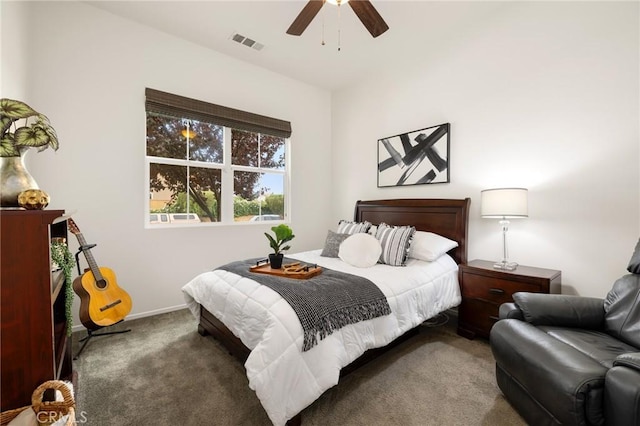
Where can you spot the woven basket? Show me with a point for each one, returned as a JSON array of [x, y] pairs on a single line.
[[47, 412]]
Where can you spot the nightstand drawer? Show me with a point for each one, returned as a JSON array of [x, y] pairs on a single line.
[[495, 290], [478, 315]]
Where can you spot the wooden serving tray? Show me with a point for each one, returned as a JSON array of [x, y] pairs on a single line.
[[296, 270]]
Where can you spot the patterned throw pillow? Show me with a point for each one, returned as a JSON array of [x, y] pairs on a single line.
[[395, 242], [332, 243], [348, 227]]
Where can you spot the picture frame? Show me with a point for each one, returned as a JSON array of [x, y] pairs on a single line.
[[415, 158]]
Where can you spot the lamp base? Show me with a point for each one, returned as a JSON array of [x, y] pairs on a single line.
[[505, 266]]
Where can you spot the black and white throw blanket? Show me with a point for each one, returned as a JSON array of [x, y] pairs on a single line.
[[323, 303]]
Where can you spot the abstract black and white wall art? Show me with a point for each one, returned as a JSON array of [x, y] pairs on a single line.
[[414, 158]]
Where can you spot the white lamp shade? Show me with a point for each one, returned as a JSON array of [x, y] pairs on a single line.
[[504, 203]]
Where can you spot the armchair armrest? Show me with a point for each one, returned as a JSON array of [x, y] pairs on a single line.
[[561, 310], [622, 391], [630, 360], [510, 310]]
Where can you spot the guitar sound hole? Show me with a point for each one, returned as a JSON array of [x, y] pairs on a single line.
[[101, 284]]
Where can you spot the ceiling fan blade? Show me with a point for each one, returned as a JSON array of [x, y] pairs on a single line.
[[304, 18], [369, 16]]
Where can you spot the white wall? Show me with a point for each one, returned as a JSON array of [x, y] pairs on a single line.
[[14, 68], [88, 73], [541, 95]]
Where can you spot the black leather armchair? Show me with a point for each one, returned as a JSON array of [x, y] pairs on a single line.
[[572, 360]]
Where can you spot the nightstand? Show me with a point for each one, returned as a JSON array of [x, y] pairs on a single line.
[[484, 289]]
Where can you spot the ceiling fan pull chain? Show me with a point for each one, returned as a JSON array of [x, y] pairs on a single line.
[[339, 26], [323, 25]]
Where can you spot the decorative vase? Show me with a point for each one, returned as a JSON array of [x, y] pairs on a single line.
[[275, 260], [14, 178]]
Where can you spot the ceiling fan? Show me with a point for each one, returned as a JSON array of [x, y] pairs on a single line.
[[363, 9]]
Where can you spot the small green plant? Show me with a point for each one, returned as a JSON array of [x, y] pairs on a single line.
[[283, 234], [61, 255], [36, 132]]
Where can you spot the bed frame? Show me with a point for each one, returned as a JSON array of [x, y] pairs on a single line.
[[446, 217]]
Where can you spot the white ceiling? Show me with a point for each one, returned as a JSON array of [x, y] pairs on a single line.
[[418, 30]]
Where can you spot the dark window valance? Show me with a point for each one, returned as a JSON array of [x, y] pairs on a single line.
[[179, 106]]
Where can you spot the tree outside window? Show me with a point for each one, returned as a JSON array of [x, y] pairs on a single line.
[[187, 159]]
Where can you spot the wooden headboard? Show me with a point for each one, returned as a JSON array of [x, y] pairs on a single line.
[[449, 218]]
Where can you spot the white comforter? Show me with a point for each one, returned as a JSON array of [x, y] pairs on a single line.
[[287, 380]]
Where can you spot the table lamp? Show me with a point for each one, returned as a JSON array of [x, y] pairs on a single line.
[[504, 204]]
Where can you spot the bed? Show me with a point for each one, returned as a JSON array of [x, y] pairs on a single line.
[[258, 327]]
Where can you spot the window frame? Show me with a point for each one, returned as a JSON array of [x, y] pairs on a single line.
[[226, 168]]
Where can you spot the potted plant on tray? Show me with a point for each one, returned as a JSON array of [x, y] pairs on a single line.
[[283, 234]]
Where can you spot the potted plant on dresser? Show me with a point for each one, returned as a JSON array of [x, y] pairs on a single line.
[[283, 234]]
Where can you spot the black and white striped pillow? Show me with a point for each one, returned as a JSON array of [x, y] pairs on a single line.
[[395, 242], [348, 227]]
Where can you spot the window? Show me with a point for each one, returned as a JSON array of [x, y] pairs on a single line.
[[207, 163]]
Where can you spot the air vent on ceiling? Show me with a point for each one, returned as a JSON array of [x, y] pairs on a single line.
[[239, 38]]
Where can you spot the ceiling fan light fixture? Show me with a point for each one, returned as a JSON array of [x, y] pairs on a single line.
[[363, 9]]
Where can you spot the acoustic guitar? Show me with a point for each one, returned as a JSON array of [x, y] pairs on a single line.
[[102, 301]]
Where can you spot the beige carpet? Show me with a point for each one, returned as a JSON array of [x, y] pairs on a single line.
[[164, 373]]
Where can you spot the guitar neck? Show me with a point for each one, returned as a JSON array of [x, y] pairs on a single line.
[[89, 256]]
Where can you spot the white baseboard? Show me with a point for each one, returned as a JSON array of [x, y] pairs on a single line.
[[141, 315]]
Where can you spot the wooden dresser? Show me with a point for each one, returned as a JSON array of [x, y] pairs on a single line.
[[484, 289], [33, 344]]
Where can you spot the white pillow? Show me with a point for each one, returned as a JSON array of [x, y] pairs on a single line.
[[360, 250], [429, 246]]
